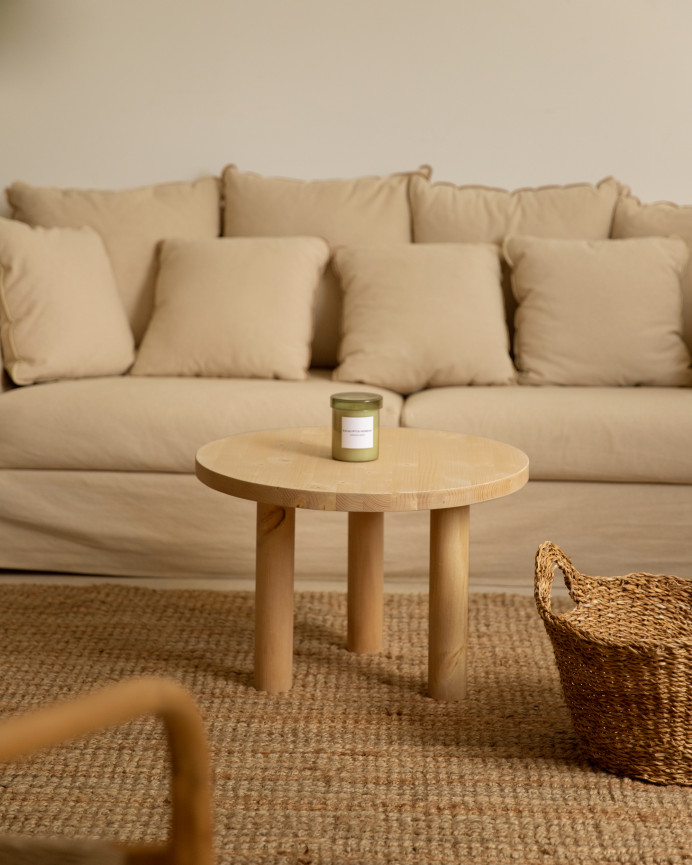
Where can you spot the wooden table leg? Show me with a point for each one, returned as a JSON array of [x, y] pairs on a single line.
[[365, 581], [274, 598], [449, 570]]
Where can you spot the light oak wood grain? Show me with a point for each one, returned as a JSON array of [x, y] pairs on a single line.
[[274, 598], [448, 604], [417, 469], [365, 581]]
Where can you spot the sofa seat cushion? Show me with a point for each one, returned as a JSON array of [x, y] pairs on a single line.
[[154, 424], [572, 433]]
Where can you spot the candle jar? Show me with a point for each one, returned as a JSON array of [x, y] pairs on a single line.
[[356, 426]]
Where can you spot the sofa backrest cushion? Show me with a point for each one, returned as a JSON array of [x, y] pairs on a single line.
[[60, 312], [233, 308], [599, 312], [445, 213], [634, 219], [423, 315], [354, 211], [131, 223]]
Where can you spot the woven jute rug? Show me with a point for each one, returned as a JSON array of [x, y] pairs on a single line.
[[356, 764]]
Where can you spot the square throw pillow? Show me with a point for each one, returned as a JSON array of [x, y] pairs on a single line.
[[60, 312], [603, 312], [662, 219], [345, 212], [423, 315], [131, 223], [233, 308]]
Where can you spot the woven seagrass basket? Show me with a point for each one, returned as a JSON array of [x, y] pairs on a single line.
[[624, 654]]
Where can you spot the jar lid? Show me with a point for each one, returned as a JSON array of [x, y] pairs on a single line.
[[356, 400]]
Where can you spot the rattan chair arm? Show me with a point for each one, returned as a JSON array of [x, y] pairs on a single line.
[[191, 832]]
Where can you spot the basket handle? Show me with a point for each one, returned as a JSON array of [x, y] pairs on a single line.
[[548, 557]]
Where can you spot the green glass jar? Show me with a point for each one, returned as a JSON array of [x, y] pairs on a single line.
[[356, 426]]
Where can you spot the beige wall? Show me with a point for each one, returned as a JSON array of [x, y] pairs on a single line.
[[114, 93]]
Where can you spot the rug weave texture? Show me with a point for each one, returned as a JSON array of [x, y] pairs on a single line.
[[356, 764]]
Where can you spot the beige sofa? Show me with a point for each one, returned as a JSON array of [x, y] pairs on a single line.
[[557, 319]]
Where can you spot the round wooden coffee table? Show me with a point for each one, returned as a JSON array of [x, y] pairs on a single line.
[[417, 469]]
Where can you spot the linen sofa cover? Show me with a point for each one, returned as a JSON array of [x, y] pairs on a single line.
[[157, 424], [149, 424], [96, 476], [170, 525], [572, 433]]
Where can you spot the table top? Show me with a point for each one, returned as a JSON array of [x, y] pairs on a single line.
[[417, 469]]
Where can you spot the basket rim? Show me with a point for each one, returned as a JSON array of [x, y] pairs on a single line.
[[550, 557]]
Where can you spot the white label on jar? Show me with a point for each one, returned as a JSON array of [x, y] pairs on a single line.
[[357, 432]]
